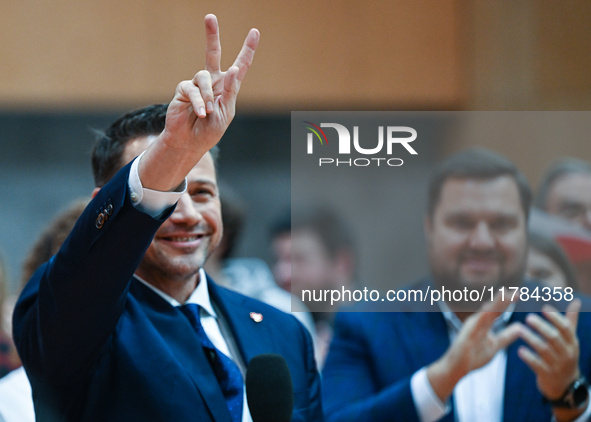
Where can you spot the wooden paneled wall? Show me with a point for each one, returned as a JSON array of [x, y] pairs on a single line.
[[312, 55], [530, 55]]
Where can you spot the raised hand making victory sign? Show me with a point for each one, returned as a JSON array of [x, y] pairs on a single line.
[[199, 113]]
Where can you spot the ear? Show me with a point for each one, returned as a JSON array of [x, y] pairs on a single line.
[[95, 191]]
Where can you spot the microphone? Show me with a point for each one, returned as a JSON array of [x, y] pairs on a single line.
[[269, 389]]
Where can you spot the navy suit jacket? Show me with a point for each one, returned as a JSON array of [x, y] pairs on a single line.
[[374, 355], [98, 345]]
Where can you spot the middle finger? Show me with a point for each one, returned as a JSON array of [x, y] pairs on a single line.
[[548, 332], [542, 348]]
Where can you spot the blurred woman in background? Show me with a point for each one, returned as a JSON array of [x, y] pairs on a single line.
[[548, 264]]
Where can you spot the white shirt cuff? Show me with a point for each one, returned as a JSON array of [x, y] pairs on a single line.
[[585, 416], [150, 201], [429, 407]]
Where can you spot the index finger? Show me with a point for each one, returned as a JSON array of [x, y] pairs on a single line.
[[213, 48], [572, 312], [244, 59], [566, 324], [497, 305]]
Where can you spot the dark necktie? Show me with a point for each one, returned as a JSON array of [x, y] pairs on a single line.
[[225, 370]]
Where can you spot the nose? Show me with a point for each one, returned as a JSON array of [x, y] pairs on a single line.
[[186, 212], [482, 237]]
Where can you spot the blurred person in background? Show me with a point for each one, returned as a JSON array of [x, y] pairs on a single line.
[[314, 251], [16, 401], [51, 239], [548, 264], [8, 356], [281, 249], [565, 192], [250, 276], [458, 359]]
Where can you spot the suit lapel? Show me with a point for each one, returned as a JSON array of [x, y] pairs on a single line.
[[434, 339], [177, 333], [519, 379], [252, 338], [425, 326]]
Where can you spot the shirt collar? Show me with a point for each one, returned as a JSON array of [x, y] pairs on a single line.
[[455, 325], [200, 295]]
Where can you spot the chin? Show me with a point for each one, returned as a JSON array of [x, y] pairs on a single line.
[[184, 268]]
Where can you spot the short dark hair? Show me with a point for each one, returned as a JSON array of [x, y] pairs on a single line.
[[329, 227], [552, 249], [477, 163], [107, 154], [281, 225], [559, 169]]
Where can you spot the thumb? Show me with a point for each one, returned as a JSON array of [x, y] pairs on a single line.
[[508, 335]]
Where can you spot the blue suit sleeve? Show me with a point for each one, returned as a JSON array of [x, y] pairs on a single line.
[[351, 390], [70, 308]]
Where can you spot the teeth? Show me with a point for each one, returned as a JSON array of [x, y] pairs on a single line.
[[184, 239]]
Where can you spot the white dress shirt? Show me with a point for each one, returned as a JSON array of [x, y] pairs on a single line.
[[209, 321], [154, 203], [16, 398], [479, 395]]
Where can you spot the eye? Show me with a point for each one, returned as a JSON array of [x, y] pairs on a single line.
[[202, 193], [460, 223], [503, 224], [540, 273], [572, 210]]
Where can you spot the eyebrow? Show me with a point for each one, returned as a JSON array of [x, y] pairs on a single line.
[[455, 214], [202, 182]]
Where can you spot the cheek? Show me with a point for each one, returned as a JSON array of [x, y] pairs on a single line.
[[514, 247], [448, 243], [214, 219]]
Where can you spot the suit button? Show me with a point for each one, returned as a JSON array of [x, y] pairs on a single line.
[[109, 210], [100, 220]]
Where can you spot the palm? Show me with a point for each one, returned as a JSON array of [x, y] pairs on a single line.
[[477, 344], [484, 351]]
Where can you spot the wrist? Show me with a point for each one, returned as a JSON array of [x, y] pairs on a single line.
[[573, 402], [559, 394], [443, 375], [569, 415], [163, 168]]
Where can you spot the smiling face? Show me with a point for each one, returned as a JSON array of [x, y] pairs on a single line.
[[185, 240], [477, 234]]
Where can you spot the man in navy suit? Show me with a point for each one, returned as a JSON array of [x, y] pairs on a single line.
[[448, 362], [123, 324]]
